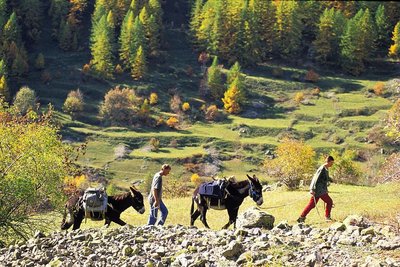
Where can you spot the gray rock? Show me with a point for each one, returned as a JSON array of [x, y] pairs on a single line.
[[234, 250], [254, 217]]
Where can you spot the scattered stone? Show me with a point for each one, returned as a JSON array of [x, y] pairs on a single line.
[[254, 217]]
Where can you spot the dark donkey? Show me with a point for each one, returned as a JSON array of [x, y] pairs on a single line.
[[115, 206], [236, 192]]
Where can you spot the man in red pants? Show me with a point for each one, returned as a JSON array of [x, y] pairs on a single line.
[[319, 190]]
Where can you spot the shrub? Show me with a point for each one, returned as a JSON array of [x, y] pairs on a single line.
[[45, 77], [118, 69], [277, 72], [121, 151], [316, 91], [154, 144], [172, 122], [153, 99], [393, 86], [345, 171], [25, 100], [195, 179], [311, 76], [74, 183], [294, 162], [379, 88], [175, 103], [389, 172], [213, 114], [189, 71], [86, 69], [173, 143], [175, 189], [185, 106], [39, 62], [299, 96], [119, 106], [74, 104]]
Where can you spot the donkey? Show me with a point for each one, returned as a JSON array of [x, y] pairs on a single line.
[[236, 192], [115, 206]]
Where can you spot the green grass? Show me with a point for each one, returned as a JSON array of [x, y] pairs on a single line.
[[168, 153], [379, 204]]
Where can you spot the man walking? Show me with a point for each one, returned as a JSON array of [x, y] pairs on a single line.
[[319, 190], [155, 197]]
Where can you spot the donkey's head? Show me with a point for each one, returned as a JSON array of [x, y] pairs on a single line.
[[255, 190], [136, 200]]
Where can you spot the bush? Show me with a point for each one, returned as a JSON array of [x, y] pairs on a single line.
[[175, 103], [119, 106], [344, 170], [294, 162], [153, 99], [118, 69], [277, 72], [121, 151], [214, 114], [39, 62], [389, 172], [393, 122], [195, 179], [185, 106], [86, 69], [172, 122], [154, 144], [316, 91], [25, 100], [299, 97], [311, 76], [74, 104], [379, 88]]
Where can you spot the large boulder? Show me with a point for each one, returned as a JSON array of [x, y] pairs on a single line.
[[356, 220], [254, 217]]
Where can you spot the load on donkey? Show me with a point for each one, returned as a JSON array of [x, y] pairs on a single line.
[[224, 194], [96, 205]]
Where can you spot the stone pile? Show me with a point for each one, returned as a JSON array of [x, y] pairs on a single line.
[[354, 242]]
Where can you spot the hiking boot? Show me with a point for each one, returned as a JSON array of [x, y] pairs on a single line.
[[328, 219], [301, 219]]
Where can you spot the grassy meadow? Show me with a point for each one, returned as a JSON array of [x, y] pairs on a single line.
[[379, 204]]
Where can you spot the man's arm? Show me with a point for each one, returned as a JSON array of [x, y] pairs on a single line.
[[314, 181], [156, 198]]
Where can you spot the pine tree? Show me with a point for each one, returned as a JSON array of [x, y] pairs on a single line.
[[3, 13], [11, 30], [139, 67], [3, 68], [262, 14], [145, 21], [125, 39], [217, 30], [101, 48], [195, 20], [111, 26], [324, 42], [65, 36], [138, 39], [233, 97], [382, 27], [31, 12], [394, 50], [288, 27], [19, 66], [4, 90], [352, 54], [154, 34], [214, 80], [57, 11], [233, 73], [135, 7], [156, 10], [369, 34]]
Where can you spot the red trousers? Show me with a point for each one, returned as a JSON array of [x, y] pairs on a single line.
[[326, 198]]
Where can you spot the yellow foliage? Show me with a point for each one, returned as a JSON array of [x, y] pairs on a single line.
[[185, 106], [86, 68], [299, 97], [196, 180], [153, 98], [379, 88], [172, 122], [72, 183], [294, 162], [118, 69]]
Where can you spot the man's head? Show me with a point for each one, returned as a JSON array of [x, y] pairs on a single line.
[[329, 161], [165, 169]]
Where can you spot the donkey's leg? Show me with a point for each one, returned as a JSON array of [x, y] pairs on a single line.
[[119, 221], [194, 216], [232, 212], [68, 220], [203, 216], [78, 220]]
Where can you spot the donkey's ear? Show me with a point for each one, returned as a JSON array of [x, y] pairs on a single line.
[[255, 177], [133, 189], [248, 176]]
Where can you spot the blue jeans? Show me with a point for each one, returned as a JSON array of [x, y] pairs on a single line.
[[153, 214]]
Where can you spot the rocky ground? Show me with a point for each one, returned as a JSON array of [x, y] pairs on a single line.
[[354, 242]]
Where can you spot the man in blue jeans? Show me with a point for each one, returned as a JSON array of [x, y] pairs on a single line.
[[155, 197]]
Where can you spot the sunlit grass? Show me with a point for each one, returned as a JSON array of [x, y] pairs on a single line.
[[380, 204]]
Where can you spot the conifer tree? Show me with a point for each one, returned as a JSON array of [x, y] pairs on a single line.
[[138, 39], [3, 68], [368, 34], [214, 80], [217, 30], [135, 7], [4, 90], [31, 12], [111, 26], [195, 20], [233, 97], [288, 27], [262, 14], [19, 66], [324, 42], [352, 54], [125, 39], [382, 28], [139, 67], [101, 48], [233, 73], [58, 11], [154, 34], [11, 30], [204, 32], [156, 10], [3, 13], [65, 36], [394, 50], [145, 21]]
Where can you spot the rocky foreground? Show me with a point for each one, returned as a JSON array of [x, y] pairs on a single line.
[[354, 242]]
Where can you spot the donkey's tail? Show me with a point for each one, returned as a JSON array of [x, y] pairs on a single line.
[[192, 207], [68, 219]]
